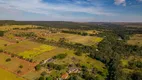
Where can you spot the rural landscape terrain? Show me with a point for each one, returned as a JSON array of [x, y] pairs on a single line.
[[58, 50]]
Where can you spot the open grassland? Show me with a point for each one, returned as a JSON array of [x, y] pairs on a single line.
[[135, 40], [30, 54], [10, 27], [21, 47], [92, 31], [13, 65], [86, 40], [3, 43], [5, 75], [50, 54]]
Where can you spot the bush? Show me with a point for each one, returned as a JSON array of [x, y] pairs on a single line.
[[41, 78], [49, 78], [38, 67], [21, 66], [43, 73], [60, 56], [8, 59], [78, 53]]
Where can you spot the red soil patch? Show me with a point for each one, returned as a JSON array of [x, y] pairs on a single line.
[[27, 66]]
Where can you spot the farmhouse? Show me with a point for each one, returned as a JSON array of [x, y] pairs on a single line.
[[73, 70]]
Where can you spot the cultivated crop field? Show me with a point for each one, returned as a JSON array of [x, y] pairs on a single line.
[[135, 40], [30, 54]]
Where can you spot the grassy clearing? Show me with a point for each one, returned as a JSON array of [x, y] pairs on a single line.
[[5, 75], [92, 31], [14, 64], [135, 40], [21, 47], [30, 54], [86, 40]]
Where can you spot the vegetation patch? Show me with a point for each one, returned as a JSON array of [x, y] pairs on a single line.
[[135, 40], [35, 51], [21, 47]]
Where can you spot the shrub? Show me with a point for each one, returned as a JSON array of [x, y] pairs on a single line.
[[41, 78], [60, 56], [38, 67], [21, 66], [8, 59], [78, 53], [43, 73]]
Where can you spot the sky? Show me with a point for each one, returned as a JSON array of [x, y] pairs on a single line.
[[72, 10]]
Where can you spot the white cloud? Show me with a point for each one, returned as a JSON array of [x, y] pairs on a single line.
[[36, 6], [119, 2]]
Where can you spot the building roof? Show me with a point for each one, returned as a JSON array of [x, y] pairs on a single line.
[[65, 76]]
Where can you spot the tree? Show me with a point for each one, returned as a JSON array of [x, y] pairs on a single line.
[[21, 66], [43, 73], [38, 67], [49, 78], [8, 59], [41, 78]]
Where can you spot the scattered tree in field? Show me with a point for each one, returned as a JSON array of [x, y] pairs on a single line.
[[5, 44], [8, 59], [21, 66]]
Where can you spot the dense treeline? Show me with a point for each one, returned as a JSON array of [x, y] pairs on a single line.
[[75, 32]]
